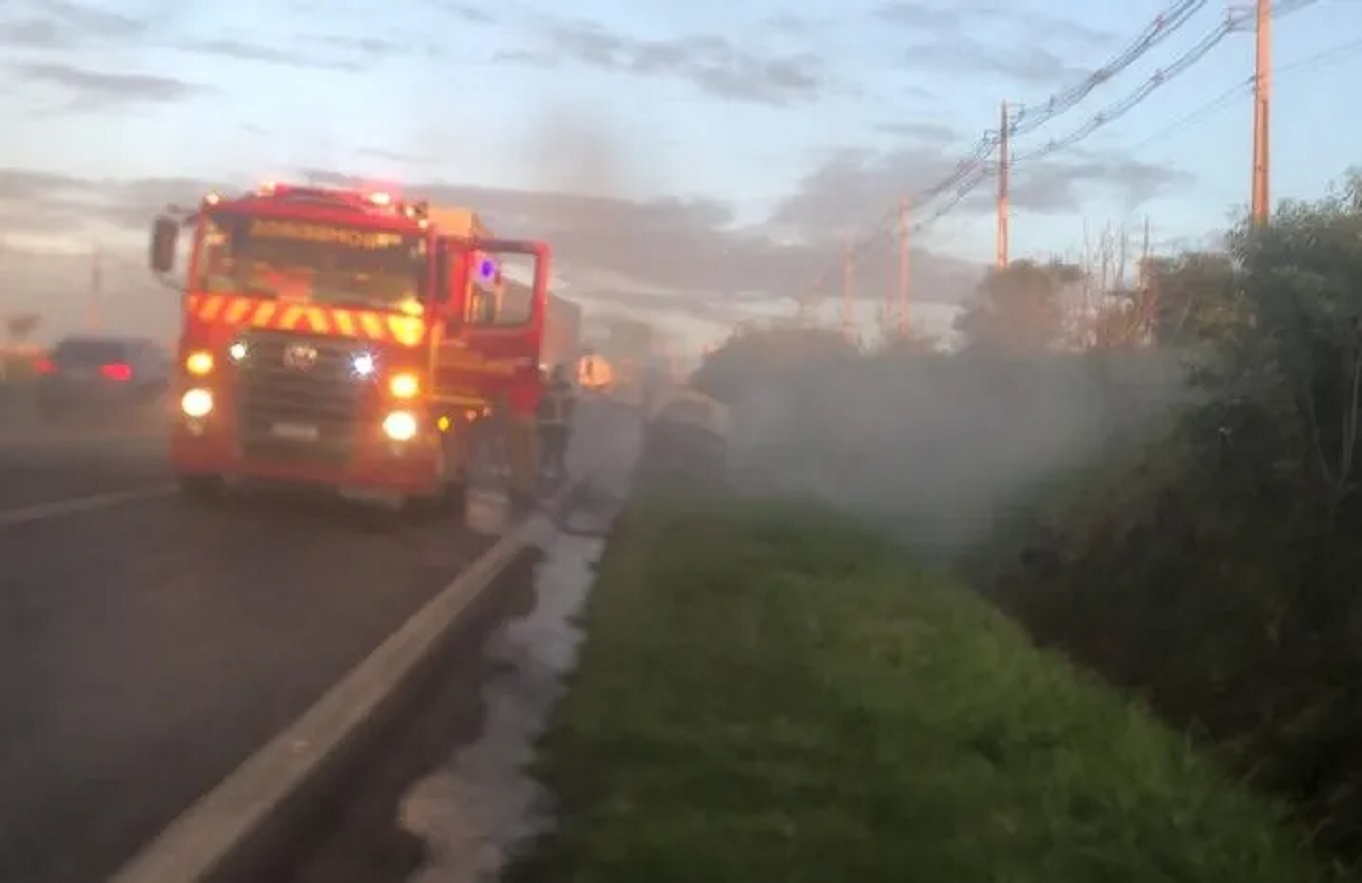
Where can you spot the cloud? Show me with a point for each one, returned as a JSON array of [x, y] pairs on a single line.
[[242, 51], [923, 17], [922, 131], [97, 89], [1061, 185], [372, 49], [952, 18], [465, 11], [394, 156], [682, 257], [333, 52], [714, 64], [31, 33], [794, 25], [832, 200], [58, 24], [992, 38], [1031, 64]]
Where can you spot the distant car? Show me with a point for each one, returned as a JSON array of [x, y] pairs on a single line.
[[92, 376]]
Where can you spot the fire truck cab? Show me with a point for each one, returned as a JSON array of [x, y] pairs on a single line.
[[346, 339]]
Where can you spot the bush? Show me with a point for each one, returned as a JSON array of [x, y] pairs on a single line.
[[770, 693]]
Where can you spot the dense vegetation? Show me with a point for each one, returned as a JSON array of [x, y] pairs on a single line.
[[770, 692], [1209, 560]]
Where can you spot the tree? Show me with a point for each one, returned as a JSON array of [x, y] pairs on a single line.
[[910, 343], [1017, 308], [20, 326], [1303, 335], [754, 356], [1196, 298]]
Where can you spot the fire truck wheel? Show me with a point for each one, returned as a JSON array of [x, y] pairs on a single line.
[[202, 488], [447, 501]]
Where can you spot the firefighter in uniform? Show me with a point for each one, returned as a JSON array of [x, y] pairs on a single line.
[[522, 443], [555, 420]]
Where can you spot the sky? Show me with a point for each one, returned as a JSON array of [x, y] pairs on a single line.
[[696, 164]]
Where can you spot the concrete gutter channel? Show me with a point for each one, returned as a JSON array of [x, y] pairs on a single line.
[[270, 818]]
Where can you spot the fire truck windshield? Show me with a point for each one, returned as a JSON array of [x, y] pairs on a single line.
[[310, 261]]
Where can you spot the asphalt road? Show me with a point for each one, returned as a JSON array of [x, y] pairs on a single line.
[[148, 647]]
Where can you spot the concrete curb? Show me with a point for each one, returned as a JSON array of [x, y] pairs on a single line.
[[235, 829]]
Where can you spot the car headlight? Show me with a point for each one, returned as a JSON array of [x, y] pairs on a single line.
[[400, 426], [404, 386], [196, 403], [199, 363]]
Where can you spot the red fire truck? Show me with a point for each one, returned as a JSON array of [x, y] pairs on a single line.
[[349, 339]]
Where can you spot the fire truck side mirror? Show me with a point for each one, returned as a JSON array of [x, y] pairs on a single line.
[[165, 234]]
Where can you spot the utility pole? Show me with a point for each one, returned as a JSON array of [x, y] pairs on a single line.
[[847, 271], [903, 269], [93, 317], [1147, 302], [1121, 257], [1003, 167], [1262, 93], [1087, 268]]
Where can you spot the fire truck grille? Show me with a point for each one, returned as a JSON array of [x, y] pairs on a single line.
[[298, 400]]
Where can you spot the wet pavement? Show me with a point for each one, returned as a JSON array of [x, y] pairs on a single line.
[[476, 811], [449, 798], [150, 646]]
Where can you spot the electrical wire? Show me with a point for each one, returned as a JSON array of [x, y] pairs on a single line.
[[1167, 23], [1115, 111], [1029, 118], [973, 171], [1245, 88]]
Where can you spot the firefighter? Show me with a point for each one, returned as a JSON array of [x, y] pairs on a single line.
[[522, 442], [555, 419]]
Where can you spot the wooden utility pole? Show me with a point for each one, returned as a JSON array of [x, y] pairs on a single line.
[[1262, 94], [848, 268], [1121, 259], [903, 269], [1004, 163], [1148, 304], [94, 318]]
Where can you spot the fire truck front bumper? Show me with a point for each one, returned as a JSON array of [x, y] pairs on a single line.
[[371, 464]]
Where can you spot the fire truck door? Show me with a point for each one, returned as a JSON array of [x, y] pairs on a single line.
[[495, 317]]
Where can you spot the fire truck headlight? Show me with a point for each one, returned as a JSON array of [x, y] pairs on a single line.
[[196, 403], [404, 386], [400, 426], [237, 352], [199, 363], [363, 364]]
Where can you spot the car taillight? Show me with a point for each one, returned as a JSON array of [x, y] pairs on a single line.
[[116, 371], [44, 366]]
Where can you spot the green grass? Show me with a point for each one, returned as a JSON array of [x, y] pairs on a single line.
[[770, 693]]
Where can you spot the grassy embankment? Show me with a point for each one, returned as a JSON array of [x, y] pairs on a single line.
[[771, 693]]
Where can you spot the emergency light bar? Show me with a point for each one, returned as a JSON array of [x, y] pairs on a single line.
[[352, 199]]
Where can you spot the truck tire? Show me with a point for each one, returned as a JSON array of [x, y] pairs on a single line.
[[449, 496], [199, 488]]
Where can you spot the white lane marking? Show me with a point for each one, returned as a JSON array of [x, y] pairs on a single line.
[[76, 505], [65, 445]]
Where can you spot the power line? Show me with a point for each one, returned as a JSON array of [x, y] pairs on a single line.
[[1245, 87], [1163, 26], [973, 171], [1027, 119]]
